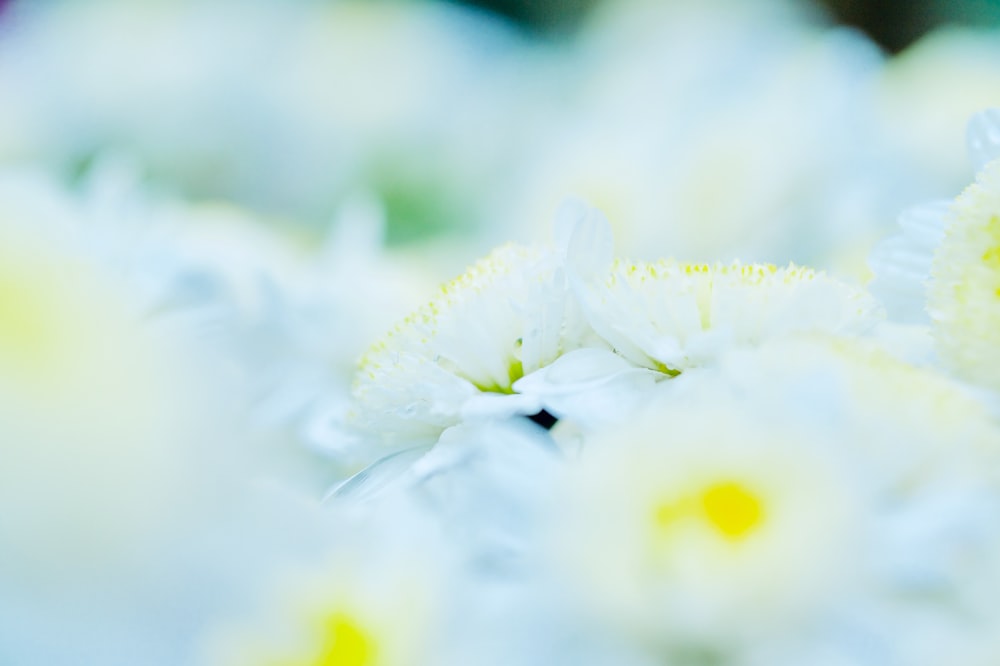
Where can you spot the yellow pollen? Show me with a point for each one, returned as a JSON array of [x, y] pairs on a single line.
[[992, 256], [732, 509], [346, 644]]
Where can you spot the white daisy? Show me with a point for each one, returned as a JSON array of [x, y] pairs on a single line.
[[125, 447], [941, 269], [964, 292], [702, 528], [567, 331], [671, 316], [464, 354], [737, 522], [380, 597]]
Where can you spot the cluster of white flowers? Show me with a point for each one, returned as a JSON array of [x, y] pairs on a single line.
[[704, 408]]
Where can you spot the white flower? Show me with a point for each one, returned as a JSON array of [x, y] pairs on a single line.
[[565, 330], [126, 451], [464, 354], [802, 493], [964, 294], [379, 597], [671, 316], [774, 154], [943, 269], [702, 526]]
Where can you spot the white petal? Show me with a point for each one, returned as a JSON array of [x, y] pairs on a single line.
[[925, 222], [378, 477], [589, 386], [499, 405], [902, 262], [584, 235], [983, 138], [578, 366]]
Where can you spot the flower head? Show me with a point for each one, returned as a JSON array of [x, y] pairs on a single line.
[[964, 293], [672, 316], [464, 352], [733, 520], [377, 599]]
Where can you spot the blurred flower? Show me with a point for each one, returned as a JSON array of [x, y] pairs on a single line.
[[719, 131], [269, 104], [380, 596], [118, 436], [268, 305], [736, 523]]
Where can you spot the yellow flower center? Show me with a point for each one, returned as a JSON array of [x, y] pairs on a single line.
[[732, 509], [729, 507], [346, 644]]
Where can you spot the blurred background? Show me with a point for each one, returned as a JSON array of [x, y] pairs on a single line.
[[894, 24], [772, 130]]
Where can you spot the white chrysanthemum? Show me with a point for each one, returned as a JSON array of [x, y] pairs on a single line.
[[117, 433], [379, 598], [964, 294], [737, 523], [902, 263], [271, 304], [672, 316], [510, 336], [702, 527], [83, 382], [463, 354], [509, 315]]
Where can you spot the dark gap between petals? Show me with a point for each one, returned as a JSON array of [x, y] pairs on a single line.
[[544, 419]]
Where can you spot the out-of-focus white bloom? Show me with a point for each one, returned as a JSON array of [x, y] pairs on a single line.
[[140, 491], [286, 315], [702, 527], [381, 596], [672, 317], [739, 523], [118, 436], [755, 137], [88, 394], [264, 103]]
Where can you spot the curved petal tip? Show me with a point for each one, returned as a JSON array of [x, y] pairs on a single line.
[[983, 137]]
